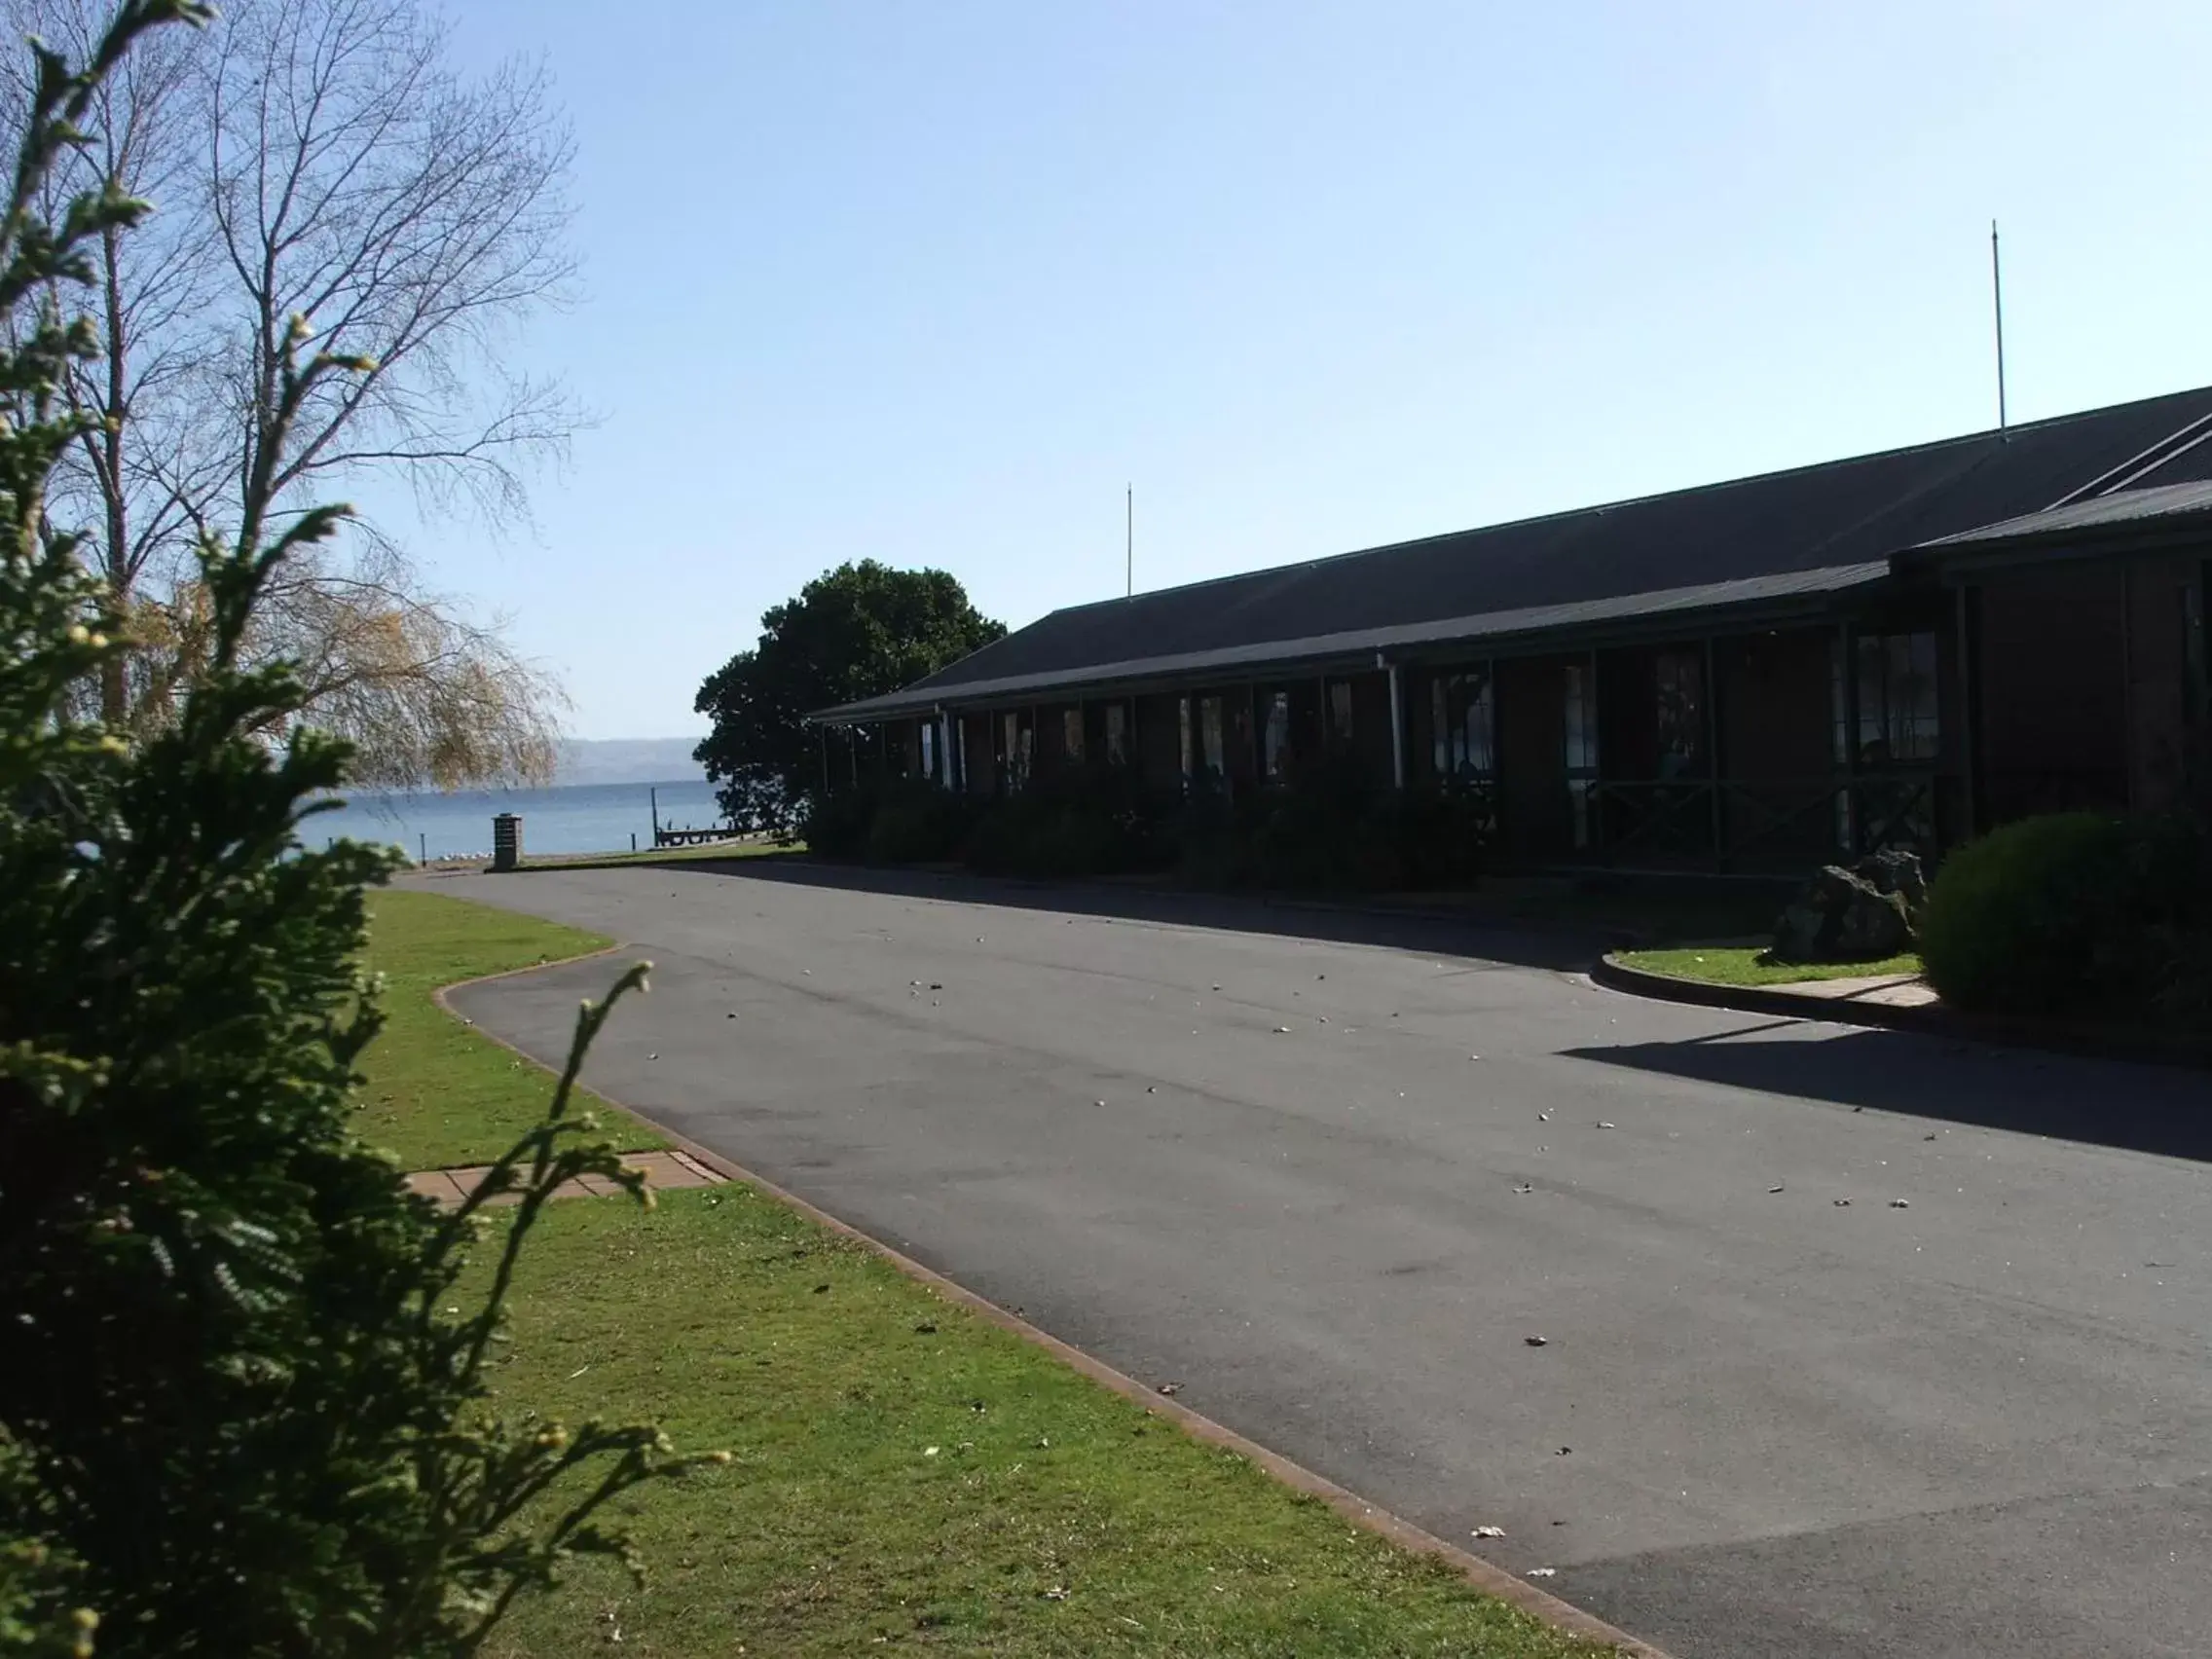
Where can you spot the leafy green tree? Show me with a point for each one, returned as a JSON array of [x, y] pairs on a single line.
[[858, 631], [242, 1376]]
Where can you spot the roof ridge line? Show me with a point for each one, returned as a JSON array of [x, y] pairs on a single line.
[[2004, 433]]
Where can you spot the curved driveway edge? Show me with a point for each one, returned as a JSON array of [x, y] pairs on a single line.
[[1483, 1575], [1931, 1019], [1854, 1343]]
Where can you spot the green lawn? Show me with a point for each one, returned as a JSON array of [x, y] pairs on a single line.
[[1740, 965], [437, 1093], [905, 1473]]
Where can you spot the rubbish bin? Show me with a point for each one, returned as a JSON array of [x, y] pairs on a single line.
[[506, 841]]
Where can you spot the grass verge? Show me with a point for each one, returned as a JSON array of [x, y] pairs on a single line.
[[1740, 965], [904, 1472], [437, 1093]]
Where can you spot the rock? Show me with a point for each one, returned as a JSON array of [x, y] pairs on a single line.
[[1896, 869], [1867, 911], [1872, 926]]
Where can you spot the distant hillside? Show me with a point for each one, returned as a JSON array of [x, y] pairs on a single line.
[[629, 760]]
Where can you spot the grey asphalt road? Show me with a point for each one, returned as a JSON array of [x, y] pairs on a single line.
[[1329, 1174]]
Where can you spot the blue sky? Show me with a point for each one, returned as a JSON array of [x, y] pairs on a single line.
[[932, 281]]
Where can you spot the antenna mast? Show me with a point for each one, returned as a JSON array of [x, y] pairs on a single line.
[[1997, 297], [1129, 544]]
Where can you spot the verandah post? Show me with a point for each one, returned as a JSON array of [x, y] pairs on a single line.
[[1847, 676], [1713, 754], [1397, 723], [1966, 757]]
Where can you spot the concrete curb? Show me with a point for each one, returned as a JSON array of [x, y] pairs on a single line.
[[2057, 1036], [1483, 1575]]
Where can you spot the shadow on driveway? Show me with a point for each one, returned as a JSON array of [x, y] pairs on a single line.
[[1558, 948], [2136, 1108]]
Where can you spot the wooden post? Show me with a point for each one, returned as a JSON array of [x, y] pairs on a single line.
[[1496, 753], [1713, 752], [1850, 680], [2128, 739], [1398, 727], [1595, 791], [1966, 757]]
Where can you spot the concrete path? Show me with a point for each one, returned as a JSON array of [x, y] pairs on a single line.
[[1857, 1344], [665, 1171]]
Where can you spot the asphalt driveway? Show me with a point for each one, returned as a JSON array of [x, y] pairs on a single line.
[[1857, 1343]]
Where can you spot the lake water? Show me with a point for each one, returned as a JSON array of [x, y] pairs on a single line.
[[575, 818]]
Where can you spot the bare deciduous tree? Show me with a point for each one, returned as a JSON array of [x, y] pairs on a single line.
[[413, 216], [324, 158], [133, 478]]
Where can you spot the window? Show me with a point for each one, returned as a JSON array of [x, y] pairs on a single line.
[[1212, 752], [1340, 710], [1117, 735], [1275, 736], [1581, 721], [1183, 734], [1462, 719], [1014, 751], [1581, 710], [928, 750], [1896, 698], [1071, 734], [1680, 687]]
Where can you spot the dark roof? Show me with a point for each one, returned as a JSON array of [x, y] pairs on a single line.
[[2158, 505], [1838, 517]]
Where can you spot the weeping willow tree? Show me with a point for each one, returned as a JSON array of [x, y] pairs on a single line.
[[423, 693]]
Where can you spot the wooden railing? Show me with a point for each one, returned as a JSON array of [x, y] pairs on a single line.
[[1728, 819]]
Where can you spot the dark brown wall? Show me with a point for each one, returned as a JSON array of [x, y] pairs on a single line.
[[2158, 609], [1531, 758], [1371, 725], [1778, 743], [1160, 741], [2053, 706], [983, 772], [1776, 722], [1420, 723], [1628, 713]]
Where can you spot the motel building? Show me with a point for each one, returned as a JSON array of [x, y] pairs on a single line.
[[1900, 649]]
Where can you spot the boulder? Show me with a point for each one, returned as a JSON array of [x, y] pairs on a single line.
[[1896, 869], [1859, 914]]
